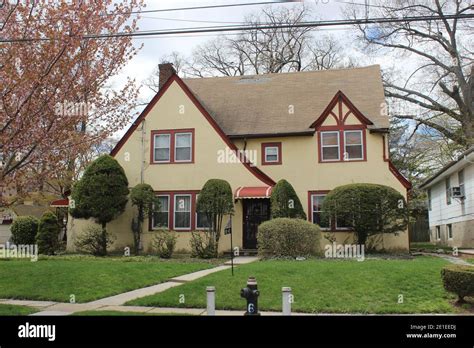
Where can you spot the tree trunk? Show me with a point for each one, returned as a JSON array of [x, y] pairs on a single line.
[[104, 239]]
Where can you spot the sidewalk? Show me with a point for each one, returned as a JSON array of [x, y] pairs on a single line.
[[452, 259], [117, 302]]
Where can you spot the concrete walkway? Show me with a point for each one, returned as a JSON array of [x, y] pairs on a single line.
[[452, 259], [117, 302]]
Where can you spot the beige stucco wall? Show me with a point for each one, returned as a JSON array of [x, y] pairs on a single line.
[[300, 167]]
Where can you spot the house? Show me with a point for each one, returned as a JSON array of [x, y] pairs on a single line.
[[8, 216], [318, 130], [451, 202]]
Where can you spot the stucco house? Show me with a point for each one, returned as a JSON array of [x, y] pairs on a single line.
[[318, 130], [451, 202]]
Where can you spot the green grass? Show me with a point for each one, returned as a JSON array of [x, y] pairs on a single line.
[[122, 314], [470, 260], [9, 310], [429, 247], [87, 278], [335, 286]]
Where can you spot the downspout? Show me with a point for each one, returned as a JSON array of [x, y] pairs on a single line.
[[142, 167]]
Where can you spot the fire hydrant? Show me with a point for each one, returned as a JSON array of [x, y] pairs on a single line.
[[251, 293]]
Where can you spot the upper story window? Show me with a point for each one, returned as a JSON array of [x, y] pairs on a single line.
[[172, 146], [271, 153], [448, 190], [342, 145]]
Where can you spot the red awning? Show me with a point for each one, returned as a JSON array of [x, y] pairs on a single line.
[[253, 192], [60, 203]]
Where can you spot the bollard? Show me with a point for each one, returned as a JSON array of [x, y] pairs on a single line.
[[211, 300], [251, 293], [286, 292]]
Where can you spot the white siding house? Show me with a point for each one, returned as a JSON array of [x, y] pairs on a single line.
[[451, 203]]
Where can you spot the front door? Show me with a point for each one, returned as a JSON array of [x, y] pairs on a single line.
[[256, 211]]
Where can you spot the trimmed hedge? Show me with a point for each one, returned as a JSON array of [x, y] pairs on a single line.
[[285, 237], [24, 230], [48, 234], [459, 280]]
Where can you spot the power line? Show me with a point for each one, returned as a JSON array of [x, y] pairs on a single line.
[[265, 26]]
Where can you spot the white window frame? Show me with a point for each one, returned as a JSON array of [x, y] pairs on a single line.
[[449, 228], [361, 145], [190, 146], [197, 227], [190, 211], [155, 147], [338, 146], [313, 195], [168, 214], [277, 154]]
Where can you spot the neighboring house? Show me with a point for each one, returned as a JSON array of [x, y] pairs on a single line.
[[8, 216], [451, 202], [318, 130]]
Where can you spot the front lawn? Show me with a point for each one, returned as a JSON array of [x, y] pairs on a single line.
[[87, 278], [122, 314], [9, 310], [326, 286]]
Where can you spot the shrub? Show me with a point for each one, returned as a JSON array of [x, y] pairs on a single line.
[[368, 209], [285, 237], [93, 239], [101, 193], [48, 234], [143, 197], [284, 202], [203, 245], [164, 243], [459, 280], [24, 230]]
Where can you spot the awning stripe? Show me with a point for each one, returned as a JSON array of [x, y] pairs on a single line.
[[246, 192]]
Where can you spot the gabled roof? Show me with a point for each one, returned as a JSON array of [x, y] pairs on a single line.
[[263, 104], [466, 158], [175, 78]]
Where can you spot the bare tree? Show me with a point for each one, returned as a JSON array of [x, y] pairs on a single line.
[[436, 86], [179, 63]]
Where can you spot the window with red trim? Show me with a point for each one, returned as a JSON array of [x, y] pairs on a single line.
[[341, 145], [271, 153], [172, 146], [317, 216], [176, 211]]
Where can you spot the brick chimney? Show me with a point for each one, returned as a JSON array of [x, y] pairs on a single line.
[[166, 71]]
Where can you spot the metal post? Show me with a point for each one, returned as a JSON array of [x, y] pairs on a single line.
[[211, 300], [286, 292]]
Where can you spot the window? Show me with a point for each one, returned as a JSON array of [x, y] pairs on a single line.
[[183, 150], [448, 190], [450, 231], [161, 215], [353, 145], [182, 212], [461, 182], [271, 153], [202, 222], [330, 146], [438, 232], [172, 146], [316, 211], [161, 148]]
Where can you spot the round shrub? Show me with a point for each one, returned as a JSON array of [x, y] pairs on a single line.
[[459, 280], [285, 237], [48, 234], [24, 230]]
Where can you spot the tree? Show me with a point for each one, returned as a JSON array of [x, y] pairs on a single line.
[[143, 197], [48, 234], [437, 87], [368, 209], [284, 202], [100, 194], [215, 200], [56, 97]]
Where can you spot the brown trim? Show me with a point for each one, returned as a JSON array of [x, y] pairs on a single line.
[[175, 78], [407, 184], [264, 146], [338, 99], [271, 135], [172, 133], [385, 153]]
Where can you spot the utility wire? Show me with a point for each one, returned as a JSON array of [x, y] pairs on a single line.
[[243, 28]]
